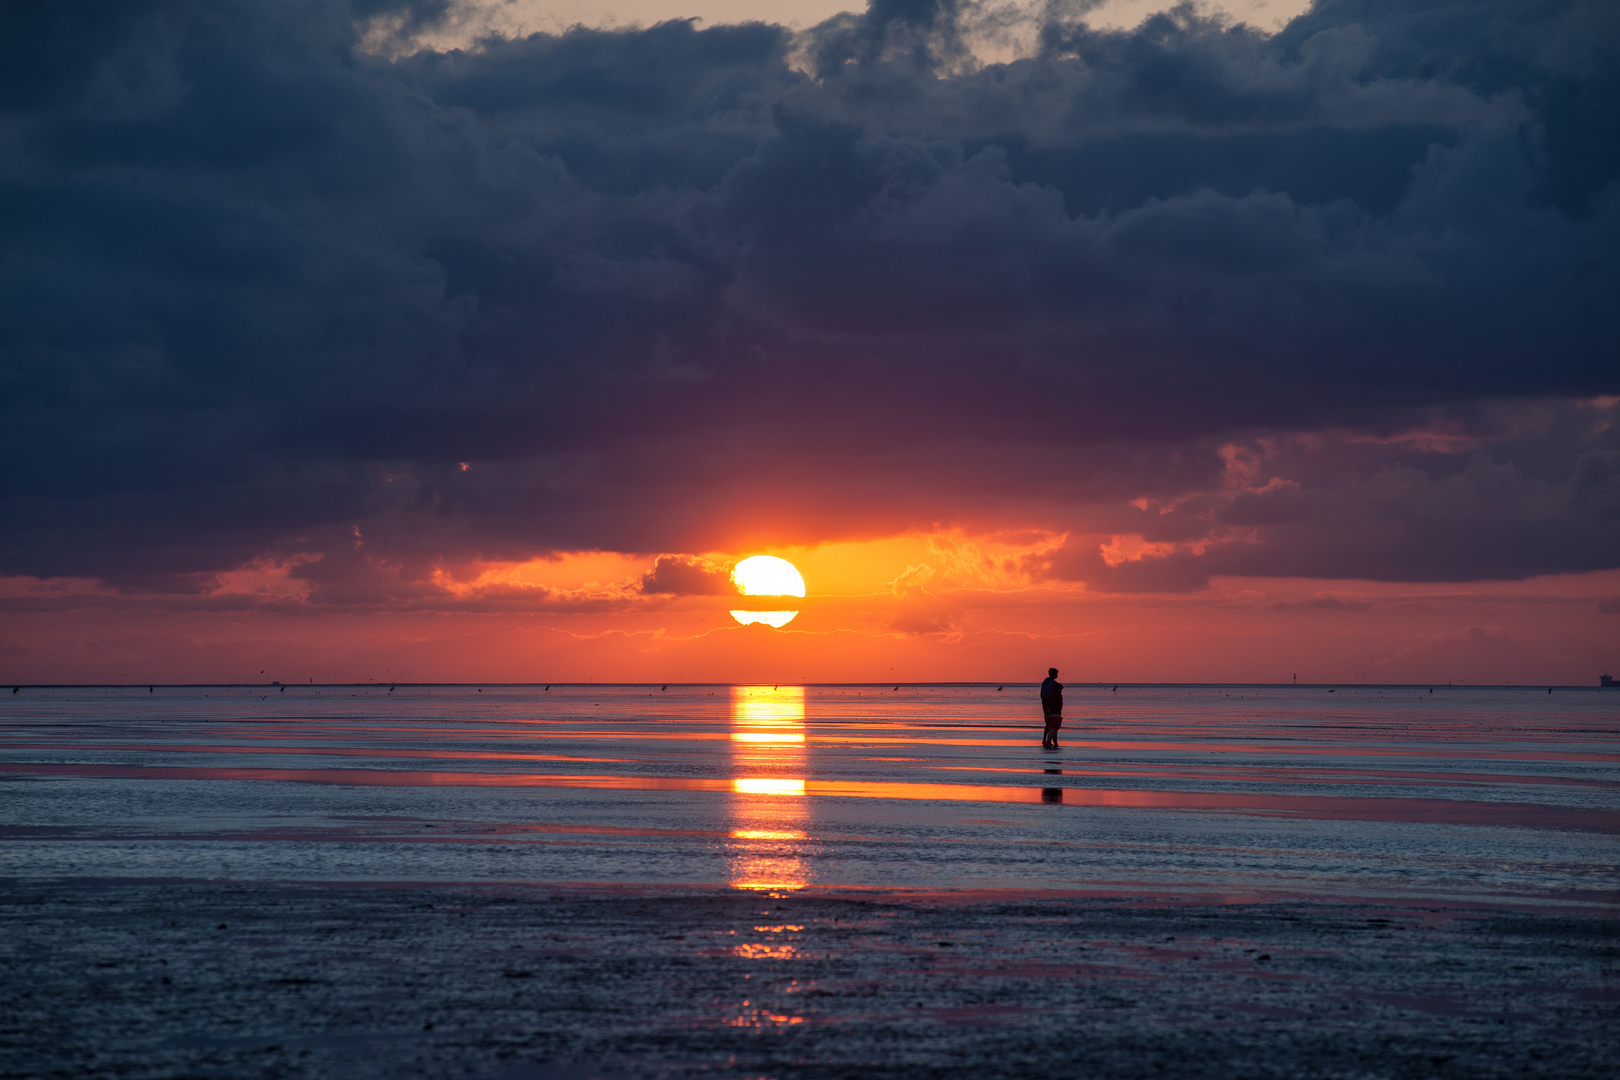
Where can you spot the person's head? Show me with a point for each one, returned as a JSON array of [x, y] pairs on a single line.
[[1052, 671]]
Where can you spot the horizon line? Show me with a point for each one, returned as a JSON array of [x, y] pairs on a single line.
[[372, 684]]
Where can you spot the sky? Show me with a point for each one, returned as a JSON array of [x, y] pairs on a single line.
[[441, 340]]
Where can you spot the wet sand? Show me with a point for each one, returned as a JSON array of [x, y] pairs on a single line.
[[829, 882], [137, 979]]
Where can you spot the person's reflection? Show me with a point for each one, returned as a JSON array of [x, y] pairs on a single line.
[[1052, 794], [767, 787]]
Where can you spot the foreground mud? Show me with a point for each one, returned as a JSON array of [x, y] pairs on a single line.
[[186, 980]]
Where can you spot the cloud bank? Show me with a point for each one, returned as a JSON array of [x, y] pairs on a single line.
[[1335, 302]]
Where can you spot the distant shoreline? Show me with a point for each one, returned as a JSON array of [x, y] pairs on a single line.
[[1437, 686]]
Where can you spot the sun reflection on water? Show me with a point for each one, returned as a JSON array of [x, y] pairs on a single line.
[[768, 804], [758, 951], [759, 785]]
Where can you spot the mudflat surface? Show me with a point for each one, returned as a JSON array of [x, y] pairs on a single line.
[[139, 979], [1465, 797], [781, 882]]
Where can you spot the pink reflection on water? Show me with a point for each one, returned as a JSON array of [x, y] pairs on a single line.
[[320, 751], [1347, 774], [780, 808]]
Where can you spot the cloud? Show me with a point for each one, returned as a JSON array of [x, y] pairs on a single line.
[[1517, 493], [266, 279], [679, 576]]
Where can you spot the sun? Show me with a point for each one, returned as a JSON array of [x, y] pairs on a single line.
[[766, 575]]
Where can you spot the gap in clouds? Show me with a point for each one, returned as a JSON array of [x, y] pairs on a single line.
[[998, 32]]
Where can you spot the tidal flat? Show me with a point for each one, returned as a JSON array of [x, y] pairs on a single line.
[[780, 882], [167, 979]]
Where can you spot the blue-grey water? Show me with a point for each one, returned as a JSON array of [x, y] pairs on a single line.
[[1498, 796]]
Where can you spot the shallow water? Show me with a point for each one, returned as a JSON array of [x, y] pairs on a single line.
[[1480, 796]]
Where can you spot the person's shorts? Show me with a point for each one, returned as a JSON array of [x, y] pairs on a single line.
[[1054, 719]]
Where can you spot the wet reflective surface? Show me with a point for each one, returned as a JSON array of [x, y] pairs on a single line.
[[1484, 796], [523, 983]]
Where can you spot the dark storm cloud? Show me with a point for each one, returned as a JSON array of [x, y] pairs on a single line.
[[1532, 492], [260, 285]]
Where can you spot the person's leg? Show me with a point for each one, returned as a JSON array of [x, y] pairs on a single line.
[[1056, 722]]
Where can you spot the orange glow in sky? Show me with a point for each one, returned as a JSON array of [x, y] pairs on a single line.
[[924, 606]]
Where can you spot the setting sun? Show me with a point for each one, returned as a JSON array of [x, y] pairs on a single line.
[[766, 575]]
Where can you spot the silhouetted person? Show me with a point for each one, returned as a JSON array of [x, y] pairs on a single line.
[[1052, 708]]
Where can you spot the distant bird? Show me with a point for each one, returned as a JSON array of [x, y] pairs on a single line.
[[1549, 689], [1115, 690], [390, 689], [897, 688], [283, 690], [1330, 690], [666, 687], [998, 689], [151, 690], [480, 689], [14, 689], [548, 686]]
